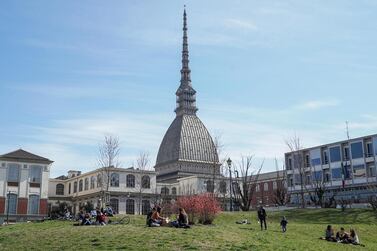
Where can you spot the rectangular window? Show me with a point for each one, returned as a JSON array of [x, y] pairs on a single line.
[[35, 174], [307, 179], [326, 176], [347, 172], [371, 170], [359, 171], [336, 173], [369, 149], [265, 187], [289, 164], [307, 161], [357, 150], [346, 153], [257, 188], [325, 158], [13, 172], [297, 179], [33, 204], [335, 154]]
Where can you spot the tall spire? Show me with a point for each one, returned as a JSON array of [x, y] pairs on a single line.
[[185, 71], [186, 99]]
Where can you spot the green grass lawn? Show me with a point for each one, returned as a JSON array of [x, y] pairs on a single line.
[[304, 229]]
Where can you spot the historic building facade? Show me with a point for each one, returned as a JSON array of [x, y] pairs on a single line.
[[346, 169], [128, 191], [187, 147], [23, 185]]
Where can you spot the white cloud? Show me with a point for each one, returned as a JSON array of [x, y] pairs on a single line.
[[240, 24], [318, 104]]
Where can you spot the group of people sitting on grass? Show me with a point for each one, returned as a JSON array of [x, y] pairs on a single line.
[[341, 236], [95, 217], [154, 219]]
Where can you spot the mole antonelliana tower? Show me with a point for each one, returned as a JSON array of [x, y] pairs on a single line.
[[187, 148]]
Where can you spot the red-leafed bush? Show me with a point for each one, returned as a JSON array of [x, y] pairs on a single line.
[[203, 207]]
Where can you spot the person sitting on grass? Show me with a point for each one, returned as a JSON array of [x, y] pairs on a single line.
[[157, 218], [81, 215], [342, 236], [87, 220], [283, 224], [353, 238], [100, 219], [329, 234], [182, 219]]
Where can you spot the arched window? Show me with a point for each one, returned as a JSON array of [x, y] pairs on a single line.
[[75, 187], [59, 189], [145, 182], [86, 184], [130, 206], [114, 180], [222, 186], [69, 188], [210, 186], [145, 207], [174, 191], [33, 204], [164, 190], [130, 180], [99, 180], [80, 185], [257, 188], [92, 182], [114, 204], [265, 187]]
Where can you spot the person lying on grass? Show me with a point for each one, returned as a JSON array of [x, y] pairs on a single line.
[[182, 220]]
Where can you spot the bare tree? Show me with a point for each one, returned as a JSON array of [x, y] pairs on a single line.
[[243, 193], [143, 181], [218, 161], [317, 193], [280, 193], [108, 158], [294, 145]]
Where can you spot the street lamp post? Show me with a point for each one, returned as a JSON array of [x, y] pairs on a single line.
[[229, 161]]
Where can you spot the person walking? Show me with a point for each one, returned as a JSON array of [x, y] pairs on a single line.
[[283, 224], [262, 217]]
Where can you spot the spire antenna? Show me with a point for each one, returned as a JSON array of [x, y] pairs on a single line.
[[186, 99]]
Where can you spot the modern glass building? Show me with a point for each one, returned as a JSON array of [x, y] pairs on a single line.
[[345, 170]]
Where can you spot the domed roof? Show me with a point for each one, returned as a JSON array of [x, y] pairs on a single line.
[[187, 139]]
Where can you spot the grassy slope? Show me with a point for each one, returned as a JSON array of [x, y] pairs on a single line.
[[304, 228]]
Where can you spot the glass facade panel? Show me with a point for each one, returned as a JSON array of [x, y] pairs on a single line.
[[357, 150], [317, 176], [335, 154], [336, 173], [316, 162]]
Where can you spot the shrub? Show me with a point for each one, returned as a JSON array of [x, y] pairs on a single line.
[[203, 207]]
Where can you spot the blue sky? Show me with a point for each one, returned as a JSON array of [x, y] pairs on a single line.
[[72, 71]]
